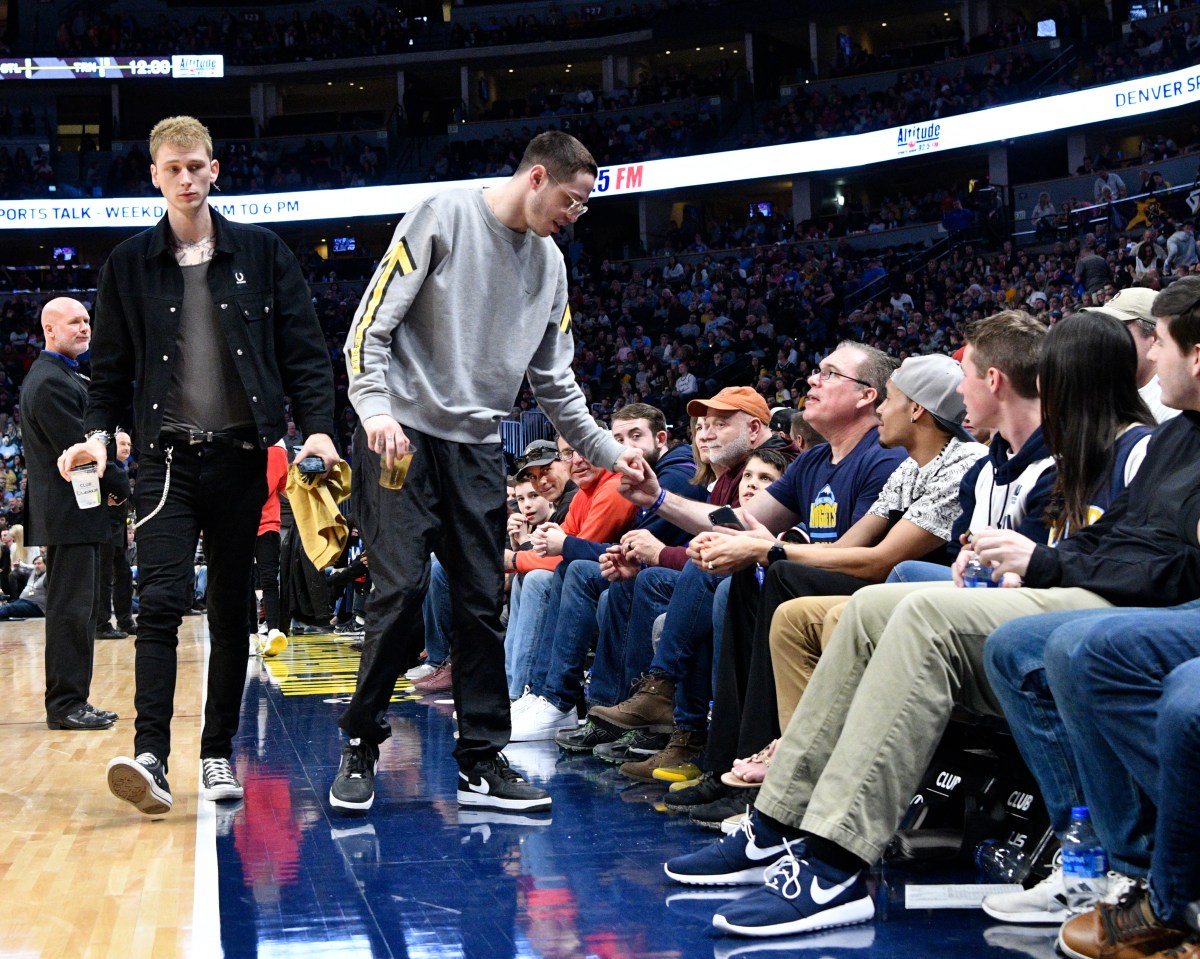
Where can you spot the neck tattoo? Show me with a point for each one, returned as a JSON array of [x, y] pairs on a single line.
[[193, 252]]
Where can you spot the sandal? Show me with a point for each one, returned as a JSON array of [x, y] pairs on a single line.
[[750, 773]]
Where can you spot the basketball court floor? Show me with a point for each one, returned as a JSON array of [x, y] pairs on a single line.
[[282, 875]]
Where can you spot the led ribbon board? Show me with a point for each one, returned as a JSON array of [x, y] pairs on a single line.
[[179, 67], [1127, 99]]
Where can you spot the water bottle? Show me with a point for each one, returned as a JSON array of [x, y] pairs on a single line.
[[977, 574], [1084, 863]]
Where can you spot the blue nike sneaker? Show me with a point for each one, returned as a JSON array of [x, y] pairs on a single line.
[[800, 895], [741, 858]]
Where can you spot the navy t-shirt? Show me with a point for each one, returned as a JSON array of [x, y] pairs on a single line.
[[829, 498]]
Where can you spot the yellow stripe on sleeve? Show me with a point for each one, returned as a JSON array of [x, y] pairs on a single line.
[[399, 259], [565, 323]]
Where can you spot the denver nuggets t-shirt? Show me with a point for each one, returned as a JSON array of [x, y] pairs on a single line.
[[831, 497]]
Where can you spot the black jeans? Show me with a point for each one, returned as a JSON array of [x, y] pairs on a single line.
[[218, 490], [115, 586], [452, 504], [745, 708], [266, 566], [71, 575]]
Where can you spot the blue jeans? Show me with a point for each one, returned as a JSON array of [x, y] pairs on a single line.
[[916, 571], [21, 609], [435, 609], [626, 619], [569, 635], [1017, 658], [1128, 699], [525, 616], [685, 649], [1175, 872]]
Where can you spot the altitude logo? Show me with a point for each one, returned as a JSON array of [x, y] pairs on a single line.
[[918, 139]]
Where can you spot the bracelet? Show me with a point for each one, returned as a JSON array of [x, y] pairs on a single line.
[[662, 498]]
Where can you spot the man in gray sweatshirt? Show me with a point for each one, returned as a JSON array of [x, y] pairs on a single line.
[[470, 298]]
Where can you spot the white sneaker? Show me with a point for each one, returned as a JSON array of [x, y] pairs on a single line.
[[518, 706], [541, 719], [1044, 903], [419, 672]]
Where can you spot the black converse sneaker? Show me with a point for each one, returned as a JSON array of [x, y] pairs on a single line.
[[217, 781], [142, 782], [354, 785], [493, 784]]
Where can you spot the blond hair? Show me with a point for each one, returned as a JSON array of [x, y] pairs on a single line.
[[180, 132]]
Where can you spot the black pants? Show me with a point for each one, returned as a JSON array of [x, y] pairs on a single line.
[[71, 585], [745, 708], [452, 504], [221, 491], [266, 577], [115, 586]]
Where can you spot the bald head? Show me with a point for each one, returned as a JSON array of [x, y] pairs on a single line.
[[67, 327]]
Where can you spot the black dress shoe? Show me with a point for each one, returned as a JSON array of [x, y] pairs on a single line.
[[107, 632], [129, 627], [102, 713], [81, 718]]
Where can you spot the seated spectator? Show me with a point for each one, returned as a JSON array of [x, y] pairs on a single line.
[[734, 426], [911, 518], [822, 495], [1133, 307], [901, 658], [31, 604], [598, 514], [569, 621], [1132, 687]]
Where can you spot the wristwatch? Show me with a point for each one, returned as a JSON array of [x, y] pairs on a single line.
[[104, 436], [776, 553]]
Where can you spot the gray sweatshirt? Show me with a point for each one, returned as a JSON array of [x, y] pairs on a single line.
[[460, 308]]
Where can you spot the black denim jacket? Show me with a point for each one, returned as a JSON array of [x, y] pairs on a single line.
[[265, 309]]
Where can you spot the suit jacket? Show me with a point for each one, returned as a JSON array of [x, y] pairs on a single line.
[[53, 398]]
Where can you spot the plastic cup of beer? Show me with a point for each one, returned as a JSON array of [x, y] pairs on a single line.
[[394, 478], [86, 484]]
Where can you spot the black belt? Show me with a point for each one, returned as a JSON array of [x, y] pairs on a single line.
[[198, 437]]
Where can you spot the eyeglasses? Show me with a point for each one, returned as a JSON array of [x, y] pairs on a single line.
[[522, 462], [578, 207], [825, 372]]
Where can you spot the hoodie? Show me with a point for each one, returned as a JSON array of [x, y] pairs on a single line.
[[1006, 489]]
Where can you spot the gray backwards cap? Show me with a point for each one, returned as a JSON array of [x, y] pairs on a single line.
[[932, 382]]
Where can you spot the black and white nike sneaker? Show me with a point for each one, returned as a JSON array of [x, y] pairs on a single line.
[[494, 784]]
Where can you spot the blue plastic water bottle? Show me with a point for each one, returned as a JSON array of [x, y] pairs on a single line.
[[977, 574], [1085, 865]]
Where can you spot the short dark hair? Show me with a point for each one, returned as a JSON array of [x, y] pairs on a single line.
[[560, 153], [771, 458], [1011, 341], [642, 411], [876, 368], [1179, 305]]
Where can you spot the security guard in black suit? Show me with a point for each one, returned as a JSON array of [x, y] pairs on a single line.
[[53, 399]]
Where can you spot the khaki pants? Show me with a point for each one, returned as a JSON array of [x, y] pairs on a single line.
[[879, 700], [800, 630]]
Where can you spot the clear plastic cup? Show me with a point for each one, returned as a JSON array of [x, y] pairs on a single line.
[[86, 484], [394, 478]]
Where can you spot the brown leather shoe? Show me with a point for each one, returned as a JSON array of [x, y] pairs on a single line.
[[1127, 930], [685, 746], [651, 707]]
